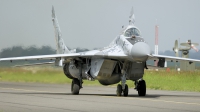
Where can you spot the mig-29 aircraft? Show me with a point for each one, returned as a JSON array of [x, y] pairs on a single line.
[[124, 59]]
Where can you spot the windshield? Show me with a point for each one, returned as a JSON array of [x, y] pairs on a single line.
[[132, 31]]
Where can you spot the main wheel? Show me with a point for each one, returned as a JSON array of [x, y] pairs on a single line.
[[119, 90], [125, 91], [141, 88], [75, 87]]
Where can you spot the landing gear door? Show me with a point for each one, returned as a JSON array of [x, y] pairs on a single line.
[[102, 67], [136, 70]]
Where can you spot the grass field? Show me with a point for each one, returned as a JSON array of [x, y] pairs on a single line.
[[162, 80]]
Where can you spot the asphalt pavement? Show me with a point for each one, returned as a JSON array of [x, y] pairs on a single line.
[[27, 97]]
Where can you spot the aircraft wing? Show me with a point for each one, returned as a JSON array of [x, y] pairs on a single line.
[[171, 58], [93, 53], [39, 57]]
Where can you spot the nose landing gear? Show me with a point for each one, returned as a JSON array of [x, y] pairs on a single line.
[[120, 90], [123, 87]]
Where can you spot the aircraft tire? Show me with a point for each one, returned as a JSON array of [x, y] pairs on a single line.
[[119, 90], [141, 88], [75, 87], [126, 90]]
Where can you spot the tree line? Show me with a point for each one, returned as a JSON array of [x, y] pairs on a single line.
[[17, 51]]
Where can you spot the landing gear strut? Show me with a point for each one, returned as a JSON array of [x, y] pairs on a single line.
[[123, 87], [141, 87], [77, 82], [75, 87]]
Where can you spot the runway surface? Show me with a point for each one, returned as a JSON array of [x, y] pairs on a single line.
[[26, 97]]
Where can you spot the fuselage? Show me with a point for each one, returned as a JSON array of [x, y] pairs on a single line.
[[128, 43]]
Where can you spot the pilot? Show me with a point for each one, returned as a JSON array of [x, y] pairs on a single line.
[[129, 32]]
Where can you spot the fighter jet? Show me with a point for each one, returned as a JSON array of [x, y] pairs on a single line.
[[124, 59]]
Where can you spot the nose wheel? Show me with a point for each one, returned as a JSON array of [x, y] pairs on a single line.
[[120, 90]]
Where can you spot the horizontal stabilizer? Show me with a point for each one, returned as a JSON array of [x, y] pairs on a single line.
[[73, 51]]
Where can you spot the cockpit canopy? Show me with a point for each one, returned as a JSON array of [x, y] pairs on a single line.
[[132, 31]]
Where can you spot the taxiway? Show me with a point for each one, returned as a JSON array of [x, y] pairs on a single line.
[[23, 97]]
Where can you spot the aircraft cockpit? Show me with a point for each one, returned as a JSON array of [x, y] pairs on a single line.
[[132, 32]]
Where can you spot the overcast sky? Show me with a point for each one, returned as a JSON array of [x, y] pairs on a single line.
[[95, 23]]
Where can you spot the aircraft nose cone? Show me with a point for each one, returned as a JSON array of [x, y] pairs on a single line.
[[140, 51]]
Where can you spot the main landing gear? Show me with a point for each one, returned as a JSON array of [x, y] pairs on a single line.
[[75, 86], [140, 86], [77, 82]]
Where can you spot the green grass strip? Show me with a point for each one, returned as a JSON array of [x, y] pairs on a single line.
[[159, 80]]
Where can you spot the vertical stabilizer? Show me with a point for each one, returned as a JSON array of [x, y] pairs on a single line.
[[156, 39], [176, 49], [131, 17], [61, 48]]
